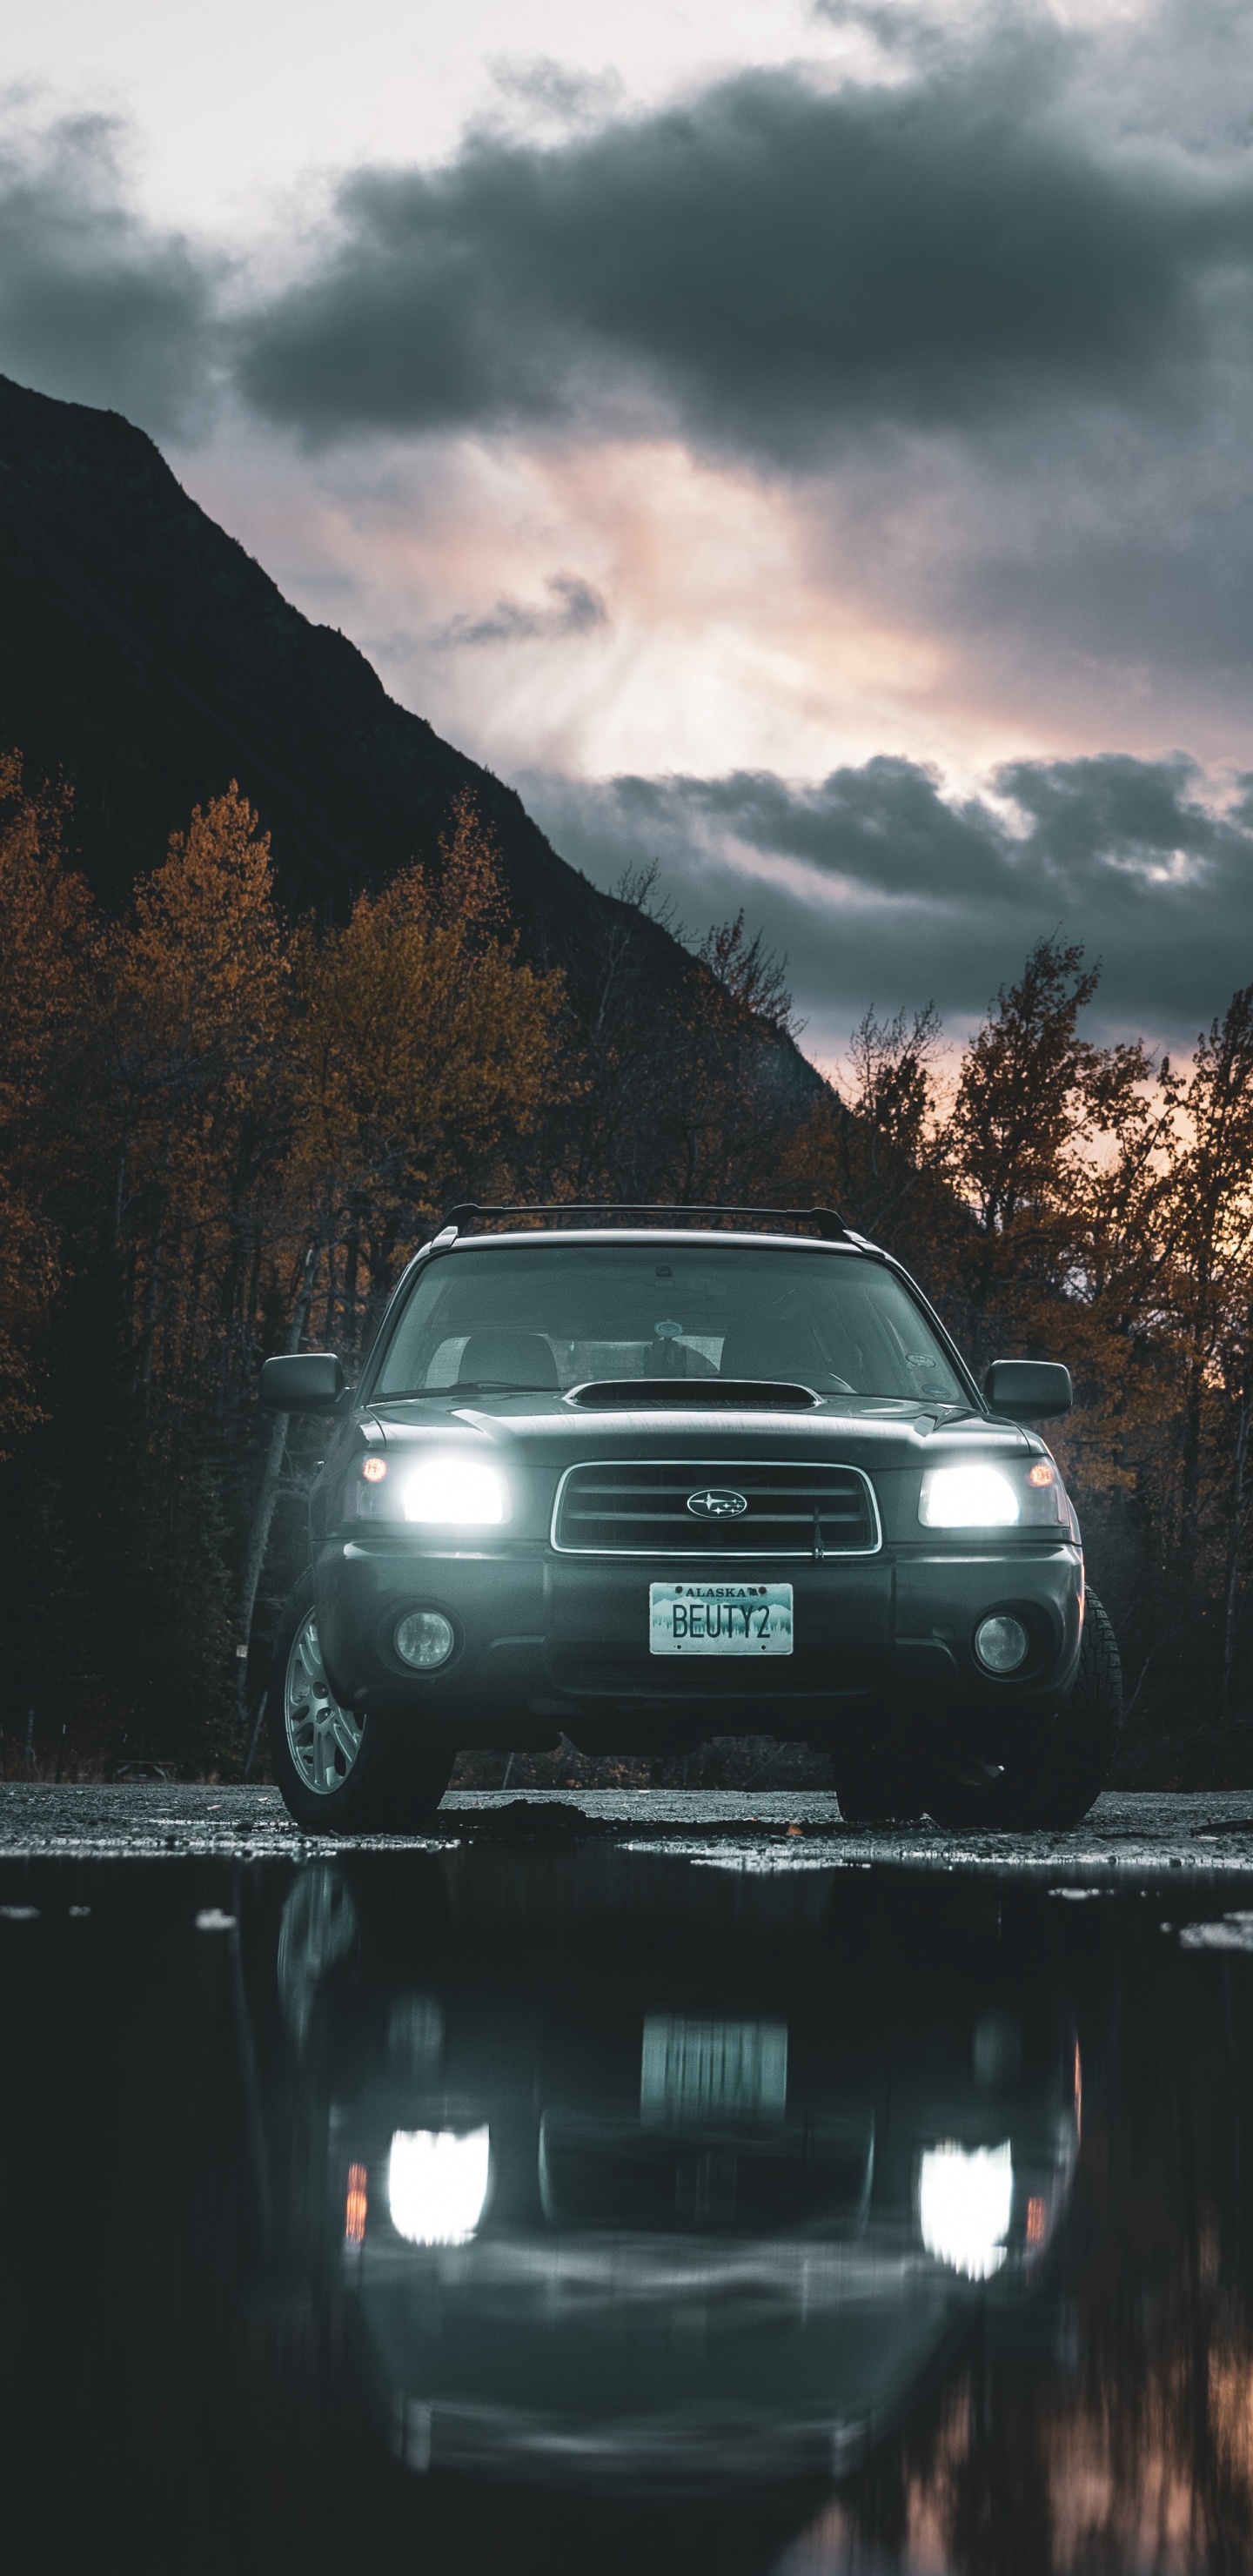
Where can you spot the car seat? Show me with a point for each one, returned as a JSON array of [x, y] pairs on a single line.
[[522, 1359]]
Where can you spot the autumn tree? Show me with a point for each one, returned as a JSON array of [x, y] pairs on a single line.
[[1202, 1333], [193, 1088], [44, 987], [685, 1085], [181, 1092], [893, 1146], [1022, 1105], [422, 1049]]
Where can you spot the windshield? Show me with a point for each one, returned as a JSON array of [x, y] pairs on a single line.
[[559, 1315]]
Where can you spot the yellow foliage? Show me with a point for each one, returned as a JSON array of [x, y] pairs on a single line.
[[419, 1045], [193, 991], [200, 963], [47, 919], [47, 916], [470, 890]]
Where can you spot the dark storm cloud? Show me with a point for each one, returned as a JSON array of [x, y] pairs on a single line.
[[769, 260], [885, 891], [577, 609], [94, 305], [767, 265]]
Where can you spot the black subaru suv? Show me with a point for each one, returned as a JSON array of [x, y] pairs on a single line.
[[645, 1483]]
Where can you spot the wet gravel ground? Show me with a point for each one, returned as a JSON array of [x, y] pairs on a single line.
[[1127, 1840]]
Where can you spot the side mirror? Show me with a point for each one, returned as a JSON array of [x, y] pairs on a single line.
[[1029, 1390], [302, 1382]]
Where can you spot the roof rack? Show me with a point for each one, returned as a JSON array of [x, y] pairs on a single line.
[[824, 1220]]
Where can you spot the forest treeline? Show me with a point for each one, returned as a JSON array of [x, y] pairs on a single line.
[[222, 1131]]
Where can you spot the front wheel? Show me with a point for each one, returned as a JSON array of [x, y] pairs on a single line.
[[1055, 1784], [340, 1773]]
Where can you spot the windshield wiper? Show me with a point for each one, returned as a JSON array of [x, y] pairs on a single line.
[[470, 1386], [494, 1386]]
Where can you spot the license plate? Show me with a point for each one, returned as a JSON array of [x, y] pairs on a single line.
[[720, 1618]]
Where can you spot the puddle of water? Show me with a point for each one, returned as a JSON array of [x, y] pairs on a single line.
[[518, 2209]]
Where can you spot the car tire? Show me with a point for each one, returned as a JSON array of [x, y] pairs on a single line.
[[875, 1785], [1056, 1785], [340, 1774]]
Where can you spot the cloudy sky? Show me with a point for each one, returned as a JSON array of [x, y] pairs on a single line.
[[805, 442]]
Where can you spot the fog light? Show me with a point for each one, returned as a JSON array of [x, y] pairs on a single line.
[[424, 1640], [1001, 1644]]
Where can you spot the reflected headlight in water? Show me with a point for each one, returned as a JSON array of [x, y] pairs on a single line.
[[968, 1497], [964, 2199], [437, 2184], [457, 1491]]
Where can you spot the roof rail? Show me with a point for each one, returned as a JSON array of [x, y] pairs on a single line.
[[824, 1220]]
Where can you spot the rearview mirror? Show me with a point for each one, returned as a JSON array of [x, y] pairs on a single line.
[[1029, 1390], [303, 1382]]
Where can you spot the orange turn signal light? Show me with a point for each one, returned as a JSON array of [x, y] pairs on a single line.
[[356, 2205]]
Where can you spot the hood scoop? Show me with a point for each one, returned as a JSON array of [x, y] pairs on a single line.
[[693, 1395]]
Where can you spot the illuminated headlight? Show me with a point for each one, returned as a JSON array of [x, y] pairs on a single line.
[[456, 1491], [965, 2195], [967, 1497], [437, 2184]]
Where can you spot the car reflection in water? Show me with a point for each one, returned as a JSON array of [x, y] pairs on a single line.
[[632, 2172]]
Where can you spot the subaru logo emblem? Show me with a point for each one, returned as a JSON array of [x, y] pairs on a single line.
[[717, 1503]]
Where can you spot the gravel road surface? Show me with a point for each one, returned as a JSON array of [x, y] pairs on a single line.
[[1127, 1840]]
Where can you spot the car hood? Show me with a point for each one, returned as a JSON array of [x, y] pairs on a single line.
[[549, 1431]]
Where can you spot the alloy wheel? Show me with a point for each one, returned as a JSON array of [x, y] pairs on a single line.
[[322, 1738]]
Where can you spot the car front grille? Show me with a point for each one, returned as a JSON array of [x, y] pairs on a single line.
[[693, 1507]]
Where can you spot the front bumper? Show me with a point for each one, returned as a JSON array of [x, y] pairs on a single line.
[[546, 1642]]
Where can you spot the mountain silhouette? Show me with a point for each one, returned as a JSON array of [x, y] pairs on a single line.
[[148, 660]]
